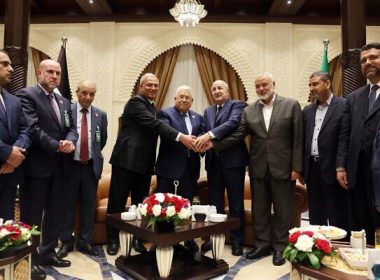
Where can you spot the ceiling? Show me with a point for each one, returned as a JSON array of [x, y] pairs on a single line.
[[252, 11]]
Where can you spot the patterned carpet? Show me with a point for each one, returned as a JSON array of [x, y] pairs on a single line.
[[86, 267]]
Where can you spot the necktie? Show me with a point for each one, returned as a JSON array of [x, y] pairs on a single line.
[[188, 123], [55, 107], [218, 108], [3, 113], [372, 98], [83, 153]]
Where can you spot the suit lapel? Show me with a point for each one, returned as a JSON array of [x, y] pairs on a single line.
[[363, 102], [94, 124], [259, 108], [329, 112], [45, 99], [182, 122], [6, 118], [275, 110]]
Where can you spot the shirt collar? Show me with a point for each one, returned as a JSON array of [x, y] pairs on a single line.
[[328, 101], [79, 108]]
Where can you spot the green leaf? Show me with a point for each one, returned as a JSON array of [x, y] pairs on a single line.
[[301, 256], [287, 251], [314, 261], [293, 254]]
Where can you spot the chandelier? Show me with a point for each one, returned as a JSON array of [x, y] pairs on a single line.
[[188, 12]]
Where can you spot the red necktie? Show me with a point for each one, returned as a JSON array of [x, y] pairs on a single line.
[[83, 155]]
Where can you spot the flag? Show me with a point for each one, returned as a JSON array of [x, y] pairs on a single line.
[[64, 85], [325, 62]]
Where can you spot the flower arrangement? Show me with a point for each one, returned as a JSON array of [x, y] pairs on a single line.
[[165, 207], [13, 234], [307, 246]]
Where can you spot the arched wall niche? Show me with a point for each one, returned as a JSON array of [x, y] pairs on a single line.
[[144, 67], [151, 49]]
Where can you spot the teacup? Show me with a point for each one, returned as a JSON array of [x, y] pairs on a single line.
[[357, 243]]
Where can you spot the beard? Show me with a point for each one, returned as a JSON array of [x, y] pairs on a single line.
[[265, 96], [372, 73]]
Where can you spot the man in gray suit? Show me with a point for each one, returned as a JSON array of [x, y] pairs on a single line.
[[275, 126], [85, 170]]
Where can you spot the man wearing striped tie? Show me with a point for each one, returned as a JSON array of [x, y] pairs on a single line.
[[358, 129]]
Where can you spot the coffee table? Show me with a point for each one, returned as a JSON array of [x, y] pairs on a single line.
[[185, 264]]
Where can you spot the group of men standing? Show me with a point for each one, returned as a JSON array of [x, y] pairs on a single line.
[[333, 145], [37, 128]]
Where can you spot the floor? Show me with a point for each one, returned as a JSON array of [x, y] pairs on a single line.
[[102, 267]]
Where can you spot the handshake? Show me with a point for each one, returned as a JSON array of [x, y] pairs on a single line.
[[198, 144]]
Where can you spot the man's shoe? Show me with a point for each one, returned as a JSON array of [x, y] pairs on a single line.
[[257, 253], [192, 245], [138, 246], [237, 250], [64, 250], [55, 261], [277, 258], [87, 249], [206, 246], [37, 273], [112, 249]]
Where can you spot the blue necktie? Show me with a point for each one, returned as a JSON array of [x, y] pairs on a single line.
[[372, 98], [3, 113]]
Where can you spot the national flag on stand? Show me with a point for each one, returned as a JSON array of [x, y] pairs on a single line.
[[64, 85], [325, 62]]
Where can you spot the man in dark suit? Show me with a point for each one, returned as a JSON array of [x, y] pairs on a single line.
[[85, 170], [175, 161], [225, 170], [134, 153], [275, 126], [353, 163], [53, 135], [322, 121], [14, 140], [376, 168]]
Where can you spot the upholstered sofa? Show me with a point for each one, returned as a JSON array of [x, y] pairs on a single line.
[[102, 201], [300, 206]]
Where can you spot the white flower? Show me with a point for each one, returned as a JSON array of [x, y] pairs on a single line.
[[3, 232], [293, 230], [170, 211], [156, 209], [318, 235], [185, 213], [143, 209], [160, 197], [304, 243]]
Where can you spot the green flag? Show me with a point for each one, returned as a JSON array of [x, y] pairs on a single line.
[[325, 63]]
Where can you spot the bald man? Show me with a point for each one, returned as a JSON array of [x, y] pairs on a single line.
[[85, 170], [53, 135]]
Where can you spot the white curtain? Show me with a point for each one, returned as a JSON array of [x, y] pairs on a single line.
[[186, 73]]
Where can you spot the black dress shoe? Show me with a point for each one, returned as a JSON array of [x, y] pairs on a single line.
[[237, 250], [112, 249], [64, 250], [37, 273], [87, 249], [277, 258], [55, 261], [138, 246], [258, 253], [191, 245], [206, 246]]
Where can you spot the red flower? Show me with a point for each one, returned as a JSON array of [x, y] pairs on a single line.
[[308, 233], [16, 234], [323, 245], [294, 237]]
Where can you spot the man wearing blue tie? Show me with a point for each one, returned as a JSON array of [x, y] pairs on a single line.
[[355, 148], [175, 161], [14, 140]]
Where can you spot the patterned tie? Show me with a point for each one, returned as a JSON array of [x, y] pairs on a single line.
[[55, 107], [83, 153], [218, 108], [372, 98]]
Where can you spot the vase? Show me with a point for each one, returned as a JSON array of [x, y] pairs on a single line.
[[164, 226], [11, 251]]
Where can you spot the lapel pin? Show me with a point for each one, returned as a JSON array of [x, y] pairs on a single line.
[[193, 116], [96, 114], [60, 101]]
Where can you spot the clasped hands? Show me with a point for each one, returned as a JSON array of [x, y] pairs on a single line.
[[198, 144], [14, 160], [66, 146]]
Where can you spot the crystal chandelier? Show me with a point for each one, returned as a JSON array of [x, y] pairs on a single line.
[[188, 12]]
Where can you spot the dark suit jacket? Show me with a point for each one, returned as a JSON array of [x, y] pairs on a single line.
[[99, 124], [376, 166], [227, 121], [135, 147], [46, 131], [173, 156], [357, 132], [13, 132], [279, 148], [327, 139]]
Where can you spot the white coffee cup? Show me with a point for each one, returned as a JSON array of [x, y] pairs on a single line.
[[357, 243]]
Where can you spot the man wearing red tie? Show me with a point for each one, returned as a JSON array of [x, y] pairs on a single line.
[[85, 170]]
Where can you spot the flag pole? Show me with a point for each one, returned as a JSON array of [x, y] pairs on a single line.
[[325, 62], [64, 41]]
